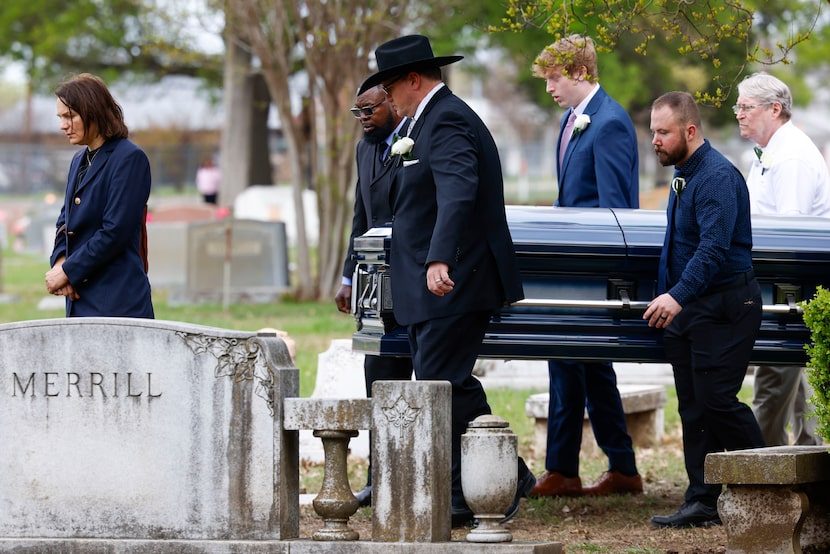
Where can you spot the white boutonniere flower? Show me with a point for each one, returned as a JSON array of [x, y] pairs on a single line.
[[764, 158], [581, 123], [678, 184], [402, 147], [766, 162]]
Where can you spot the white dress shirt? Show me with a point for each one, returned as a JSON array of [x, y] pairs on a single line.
[[791, 178]]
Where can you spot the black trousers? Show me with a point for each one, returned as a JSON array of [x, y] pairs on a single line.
[[709, 344], [446, 349]]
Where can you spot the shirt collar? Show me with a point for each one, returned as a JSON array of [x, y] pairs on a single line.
[[779, 137], [426, 100], [690, 166], [397, 130], [580, 108]]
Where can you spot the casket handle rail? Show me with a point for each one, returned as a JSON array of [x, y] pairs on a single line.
[[775, 309]]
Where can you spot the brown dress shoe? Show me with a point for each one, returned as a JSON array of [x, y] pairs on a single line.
[[614, 482], [556, 484]]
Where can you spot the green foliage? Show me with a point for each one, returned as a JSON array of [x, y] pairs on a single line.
[[54, 38], [720, 40], [817, 319]]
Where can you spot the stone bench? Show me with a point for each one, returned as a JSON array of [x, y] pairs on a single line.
[[777, 499], [643, 407]]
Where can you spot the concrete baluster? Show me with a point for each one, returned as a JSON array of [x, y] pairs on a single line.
[[335, 502]]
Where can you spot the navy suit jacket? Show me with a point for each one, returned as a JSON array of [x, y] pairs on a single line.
[[103, 221], [371, 197], [601, 164], [448, 206]]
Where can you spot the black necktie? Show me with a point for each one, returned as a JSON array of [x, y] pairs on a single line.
[[380, 151]]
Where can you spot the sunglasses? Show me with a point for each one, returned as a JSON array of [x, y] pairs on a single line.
[[368, 111]]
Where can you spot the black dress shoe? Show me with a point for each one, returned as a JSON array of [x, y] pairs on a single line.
[[524, 485], [690, 514], [364, 497]]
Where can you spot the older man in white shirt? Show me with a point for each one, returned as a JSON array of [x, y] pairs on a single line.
[[788, 176]]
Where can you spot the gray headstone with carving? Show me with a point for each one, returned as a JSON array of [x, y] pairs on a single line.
[[144, 429], [411, 461]]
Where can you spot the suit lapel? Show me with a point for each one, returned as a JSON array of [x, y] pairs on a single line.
[[419, 123], [98, 163], [591, 109]]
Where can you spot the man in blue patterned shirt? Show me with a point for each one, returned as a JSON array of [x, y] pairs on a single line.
[[709, 302]]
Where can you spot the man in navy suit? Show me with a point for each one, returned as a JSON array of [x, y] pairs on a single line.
[[597, 166], [452, 259], [380, 124]]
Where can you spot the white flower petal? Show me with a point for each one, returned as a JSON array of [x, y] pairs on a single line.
[[582, 121], [402, 146]]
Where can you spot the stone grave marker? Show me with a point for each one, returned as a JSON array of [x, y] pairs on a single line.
[[143, 430], [167, 241], [276, 203], [251, 255]]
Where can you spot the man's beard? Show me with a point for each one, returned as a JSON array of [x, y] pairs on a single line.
[[667, 158], [380, 132]]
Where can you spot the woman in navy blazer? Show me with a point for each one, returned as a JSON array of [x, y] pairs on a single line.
[[99, 259]]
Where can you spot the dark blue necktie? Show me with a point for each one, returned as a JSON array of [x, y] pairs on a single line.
[[663, 269], [380, 154]]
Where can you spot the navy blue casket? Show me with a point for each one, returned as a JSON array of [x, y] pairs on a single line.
[[588, 275]]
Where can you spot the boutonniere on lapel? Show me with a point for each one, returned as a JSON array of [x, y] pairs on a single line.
[[581, 123], [765, 158], [401, 150], [678, 184]]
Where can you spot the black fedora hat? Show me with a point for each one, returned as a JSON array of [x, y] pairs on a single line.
[[404, 54]]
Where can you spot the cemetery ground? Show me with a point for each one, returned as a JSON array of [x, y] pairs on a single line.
[[617, 524]]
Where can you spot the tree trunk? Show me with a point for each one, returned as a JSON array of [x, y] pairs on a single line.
[[235, 160], [260, 171]]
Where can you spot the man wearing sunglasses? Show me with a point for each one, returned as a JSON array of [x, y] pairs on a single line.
[[380, 122]]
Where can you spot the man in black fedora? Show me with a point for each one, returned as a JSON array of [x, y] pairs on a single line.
[[452, 259]]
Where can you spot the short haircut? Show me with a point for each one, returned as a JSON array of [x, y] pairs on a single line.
[[88, 96], [568, 54], [431, 71], [768, 89], [682, 104]]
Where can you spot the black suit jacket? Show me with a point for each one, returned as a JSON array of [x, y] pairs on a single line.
[[371, 198], [448, 206]]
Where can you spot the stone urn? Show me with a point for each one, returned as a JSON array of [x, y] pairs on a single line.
[[489, 475]]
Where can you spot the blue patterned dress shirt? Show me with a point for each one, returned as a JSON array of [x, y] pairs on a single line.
[[710, 234]]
